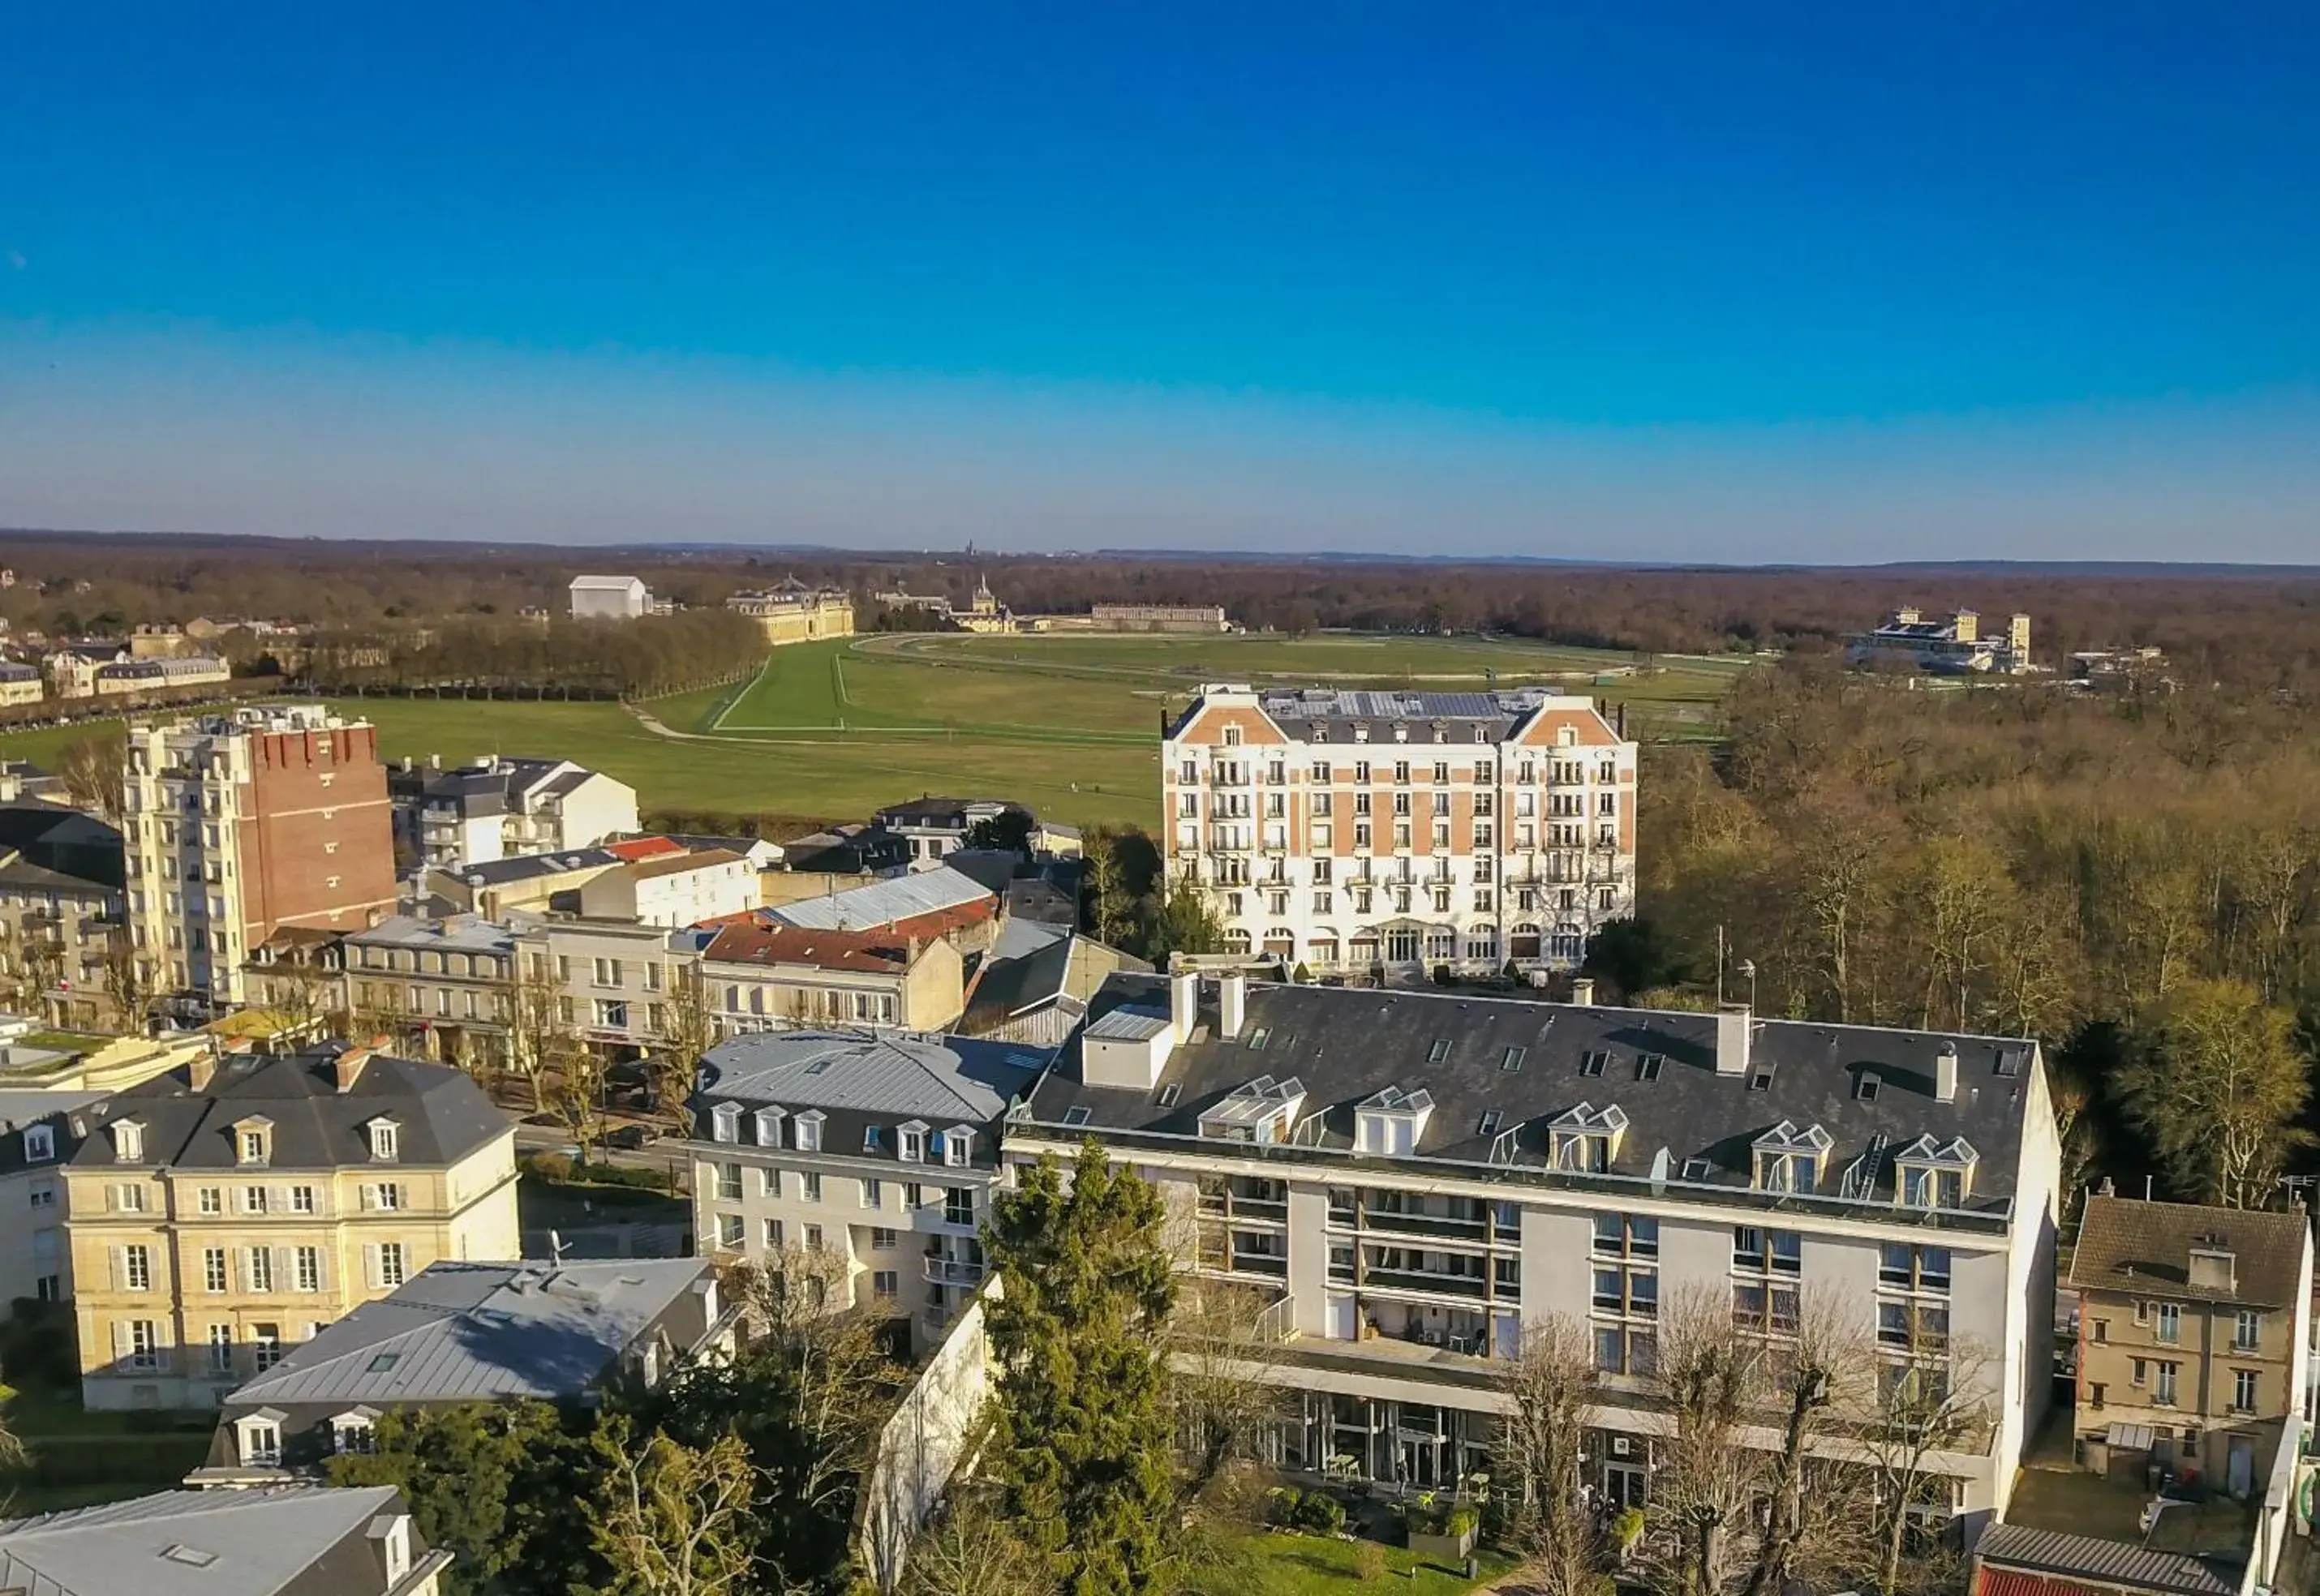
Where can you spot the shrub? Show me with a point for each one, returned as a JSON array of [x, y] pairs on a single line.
[[1320, 1513], [1463, 1520]]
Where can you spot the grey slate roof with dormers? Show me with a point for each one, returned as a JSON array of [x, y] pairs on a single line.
[[284, 1540], [441, 1115], [1345, 1045], [859, 1079]]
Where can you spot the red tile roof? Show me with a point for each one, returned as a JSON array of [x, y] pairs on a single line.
[[756, 943], [639, 848]]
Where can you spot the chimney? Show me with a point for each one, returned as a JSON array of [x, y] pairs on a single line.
[[1232, 1004], [1733, 1023], [434, 761], [1183, 1003], [1945, 1064], [1582, 992], [200, 1070], [347, 1066], [2213, 1266]]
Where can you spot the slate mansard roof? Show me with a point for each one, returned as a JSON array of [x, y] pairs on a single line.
[[441, 1115], [1337, 715], [858, 1080], [1684, 1122], [304, 1539]]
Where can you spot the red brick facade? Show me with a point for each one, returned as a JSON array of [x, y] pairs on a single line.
[[317, 834]]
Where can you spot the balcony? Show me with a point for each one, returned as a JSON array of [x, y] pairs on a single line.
[[1474, 1287], [1429, 1224], [948, 1271]]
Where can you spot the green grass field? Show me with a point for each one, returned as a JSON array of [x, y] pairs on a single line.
[[1068, 723]]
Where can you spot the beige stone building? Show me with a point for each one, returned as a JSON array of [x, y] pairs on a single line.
[[777, 978], [793, 612], [2194, 1337], [1398, 832], [220, 1215]]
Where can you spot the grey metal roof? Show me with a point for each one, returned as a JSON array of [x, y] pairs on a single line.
[[230, 1543], [529, 867], [950, 1079], [2107, 1561], [456, 932], [480, 1331], [881, 903], [1130, 1024], [441, 1114], [1346, 1044]]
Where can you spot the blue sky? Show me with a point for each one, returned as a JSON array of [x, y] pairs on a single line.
[[1698, 281]]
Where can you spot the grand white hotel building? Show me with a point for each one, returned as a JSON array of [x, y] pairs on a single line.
[[1344, 830]]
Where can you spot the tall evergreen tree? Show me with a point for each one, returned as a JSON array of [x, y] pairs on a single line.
[[1085, 1439]]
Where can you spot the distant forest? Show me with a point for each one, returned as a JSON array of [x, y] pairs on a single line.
[[2259, 630]]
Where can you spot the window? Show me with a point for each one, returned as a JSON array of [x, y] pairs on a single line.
[[2244, 1390], [2169, 1328], [40, 1144], [729, 1229], [958, 1206], [302, 1199], [2162, 1390], [351, 1432], [913, 1144], [385, 1196], [261, 1443], [127, 1142], [257, 1270], [958, 1147], [1626, 1235], [2101, 1332], [2243, 1330], [881, 1239], [874, 1193], [1923, 1269], [808, 1132], [222, 1349], [306, 1269], [1511, 1059], [266, 1343], [810, 1184], [213, 1268], [914, 1197], [253, 1199], [390, 1263], [1756, 1251], [765, 1126], [142, 1339], [209, 1200], [728, 1183], [769, 1183], [813, 1238], [772, 1232], [1764, 1308], [884, 1285], [251, 1144], [137, 1269]]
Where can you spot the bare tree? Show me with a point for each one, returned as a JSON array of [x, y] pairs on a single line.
[[129, 983], [576, 1090], [973, 1550], [537, 1029], [1214, 1337], [96, 772], [1932, 1399], [1550, 1389], [671, 1519], [689, 1031]]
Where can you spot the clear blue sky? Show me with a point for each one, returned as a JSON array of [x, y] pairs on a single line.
[[1858, 281]]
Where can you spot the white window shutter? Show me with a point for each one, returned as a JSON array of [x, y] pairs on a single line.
[[370, 1264], [120, 1338], [370, 1194], [120, 1259]]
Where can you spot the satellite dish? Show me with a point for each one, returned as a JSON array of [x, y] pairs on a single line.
[[1660, 1173]]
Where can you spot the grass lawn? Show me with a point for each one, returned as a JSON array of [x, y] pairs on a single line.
[[1272, 1564], [1068, 723]]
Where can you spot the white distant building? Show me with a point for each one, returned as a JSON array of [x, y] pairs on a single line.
[[674, 890], [610, 597]]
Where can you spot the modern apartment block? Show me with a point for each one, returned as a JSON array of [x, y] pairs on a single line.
[[880, 1151], [502, 808], [222, 1213], [239, 824], [1413, 1178], [1367, 831], [2194, 1337]]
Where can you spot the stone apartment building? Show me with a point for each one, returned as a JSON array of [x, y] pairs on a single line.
[[1364, 832], [1411, 1179], [612, 981], [765, 977], [879, 1153], [503, 808], [675, 890], [239, 824], [2194, 1337], [440, 987], [221, 1214]]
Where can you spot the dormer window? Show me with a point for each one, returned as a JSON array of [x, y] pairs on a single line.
[[958, 1147], [1261, 1110], [1587, 1138], [1934, 1175], [40, 1144], [1392, 1122], [809, 1131], [911, 1143], [1788, 1159], [725, 1123], [253, 1141], [355, 1431], [385, 1140], [765, 1126], [127, 1142], [260, 1435]]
